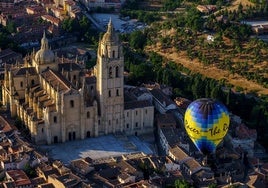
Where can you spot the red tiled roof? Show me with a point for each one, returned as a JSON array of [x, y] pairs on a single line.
[[56, 80], [19, 177], [192, 164], [51, 19], [4, 125]]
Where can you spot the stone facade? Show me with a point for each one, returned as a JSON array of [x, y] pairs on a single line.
[[59, 101]]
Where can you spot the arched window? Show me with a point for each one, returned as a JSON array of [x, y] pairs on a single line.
[[117, 72], [71, 103], [110, 72], [55, 119], [113, 53]]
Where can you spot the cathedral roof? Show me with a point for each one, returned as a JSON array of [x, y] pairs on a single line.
[[69, 66], [44, 55], [161, 96], [56, 80], [110, 35], [137, 104], [22, 71]]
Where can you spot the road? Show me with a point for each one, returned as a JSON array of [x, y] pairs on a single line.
[[96, 24]]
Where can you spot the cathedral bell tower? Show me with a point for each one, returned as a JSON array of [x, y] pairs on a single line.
[[110, 82]]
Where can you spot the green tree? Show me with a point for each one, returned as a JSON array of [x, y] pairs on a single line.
[[70, 25], [137, 40], [11, 28], [30, 171], [216, 92], [142, 72], [84, 25], [182, 184], [171, 4], [212, 185], [198, 87], [194, 19]]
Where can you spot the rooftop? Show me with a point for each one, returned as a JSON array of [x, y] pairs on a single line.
[[19, 177]]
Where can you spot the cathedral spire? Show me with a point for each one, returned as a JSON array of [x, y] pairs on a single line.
[[44, 42], [110, 26], [110, 35]]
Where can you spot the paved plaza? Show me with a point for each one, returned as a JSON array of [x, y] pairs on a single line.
[[103, 146]]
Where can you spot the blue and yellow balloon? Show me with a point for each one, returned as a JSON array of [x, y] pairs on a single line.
[[206, 122]]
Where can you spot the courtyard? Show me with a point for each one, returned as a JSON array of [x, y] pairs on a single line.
[[95, 148]]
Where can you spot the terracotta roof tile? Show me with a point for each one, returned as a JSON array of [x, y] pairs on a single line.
[[4, 125], [19, 177], [23, 70], [69, 66], [56, 80], [193, 164]]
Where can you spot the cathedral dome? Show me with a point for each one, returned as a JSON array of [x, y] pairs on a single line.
[[110, 35], [44, 55]]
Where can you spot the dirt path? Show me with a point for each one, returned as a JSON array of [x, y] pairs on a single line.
[[210, 71]]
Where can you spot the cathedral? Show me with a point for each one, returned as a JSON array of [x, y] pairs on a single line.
[[59, 101]]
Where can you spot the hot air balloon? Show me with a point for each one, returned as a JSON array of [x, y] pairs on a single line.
[[206, 122]]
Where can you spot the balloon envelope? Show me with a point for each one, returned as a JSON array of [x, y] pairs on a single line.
[[206, 122]]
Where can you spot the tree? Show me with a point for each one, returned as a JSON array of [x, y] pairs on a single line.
[[194, 19], [84, 25], [198, 87], [137, 40], [215, 92], [30, 171], [212, 185], [11, 28], [70, 25], [182, 184], [171, 4]]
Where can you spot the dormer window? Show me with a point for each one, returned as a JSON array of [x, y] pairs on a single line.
[[21, 84]]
